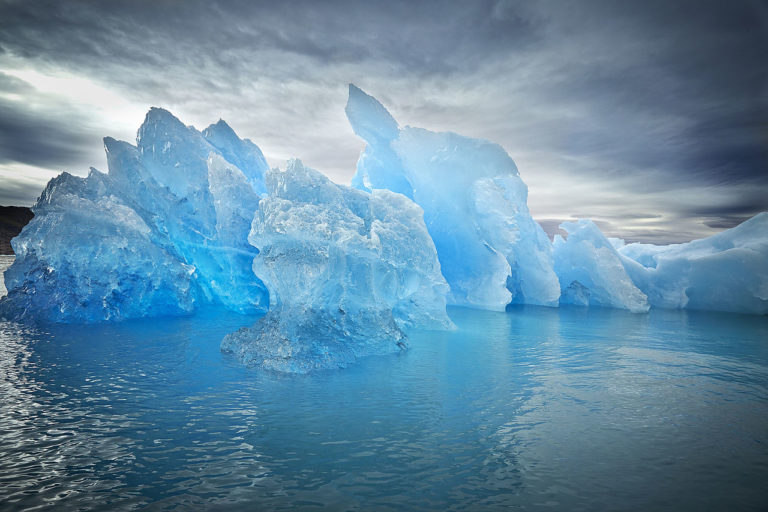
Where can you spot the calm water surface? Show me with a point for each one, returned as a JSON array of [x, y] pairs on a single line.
[[534, 409]]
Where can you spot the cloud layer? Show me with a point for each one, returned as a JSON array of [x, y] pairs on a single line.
[[649, 116]]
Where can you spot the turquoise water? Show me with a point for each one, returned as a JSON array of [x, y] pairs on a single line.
[[533, 409]]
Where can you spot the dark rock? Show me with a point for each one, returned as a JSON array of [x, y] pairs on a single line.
[[12, 220]]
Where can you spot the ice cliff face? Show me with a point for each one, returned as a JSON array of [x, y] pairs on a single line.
[[491, 251], [347, 273], [165, 230]]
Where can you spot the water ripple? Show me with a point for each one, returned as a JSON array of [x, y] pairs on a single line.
[[535, 409]]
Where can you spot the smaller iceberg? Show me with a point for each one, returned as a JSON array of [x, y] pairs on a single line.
[[347, 272], [591, 272], [164, 231], [88, 256], [724, 272]]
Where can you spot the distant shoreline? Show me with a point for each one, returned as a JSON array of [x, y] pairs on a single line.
[[12, 221]]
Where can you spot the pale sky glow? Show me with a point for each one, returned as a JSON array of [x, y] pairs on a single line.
[[649, 117]]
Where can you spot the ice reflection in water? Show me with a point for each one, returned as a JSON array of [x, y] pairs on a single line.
[[536, 408]]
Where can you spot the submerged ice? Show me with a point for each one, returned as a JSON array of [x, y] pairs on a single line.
[[164, 230], [347, 273]]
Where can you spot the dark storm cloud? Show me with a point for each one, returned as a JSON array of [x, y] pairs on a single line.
[[750, 205], [11, 84], [673, 85], [638, 98], [19, 192], [41, 139], [727, 221], [412, 36], [38, 130]]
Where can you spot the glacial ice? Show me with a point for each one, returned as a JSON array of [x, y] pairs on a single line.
[[347, 272], [55, 278], [591, 272], [724, 272], [431, 218], [491, 251], [164, 230]]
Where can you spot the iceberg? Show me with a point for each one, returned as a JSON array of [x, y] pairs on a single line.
[[591, 272], [491, 251], [186, 218], [57, 278], [724, 272], [165, 230], [348, 273]]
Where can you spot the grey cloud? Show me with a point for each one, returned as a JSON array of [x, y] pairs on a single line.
[[662, 85], [618, 215], [42, 139], [639, 97], [748, 206], [13, 85], [425, 36], [19, 192], [726, 222], [39, 130]]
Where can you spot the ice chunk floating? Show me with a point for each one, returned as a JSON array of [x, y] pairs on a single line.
[[724, 272], [491, 251], [347, 272], [165, 230]]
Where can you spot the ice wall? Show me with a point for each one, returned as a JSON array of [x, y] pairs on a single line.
[[347, 273], [491, 251]]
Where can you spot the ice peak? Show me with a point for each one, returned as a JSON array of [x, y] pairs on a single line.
[[243, 153], [220, 129], [159, 120], [109, 142], [368, 117], [157, 115], [112, 145], [160, 125]]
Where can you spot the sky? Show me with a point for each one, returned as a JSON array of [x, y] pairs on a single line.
[[649, 117]]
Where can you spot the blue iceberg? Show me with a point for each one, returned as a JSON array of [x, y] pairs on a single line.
[[431, 218], [166, 229], [724, 272], [491, 251], [591, 272], [88, 256], [348, 272]]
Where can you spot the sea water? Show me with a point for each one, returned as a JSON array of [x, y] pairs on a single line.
[[532, 409]]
